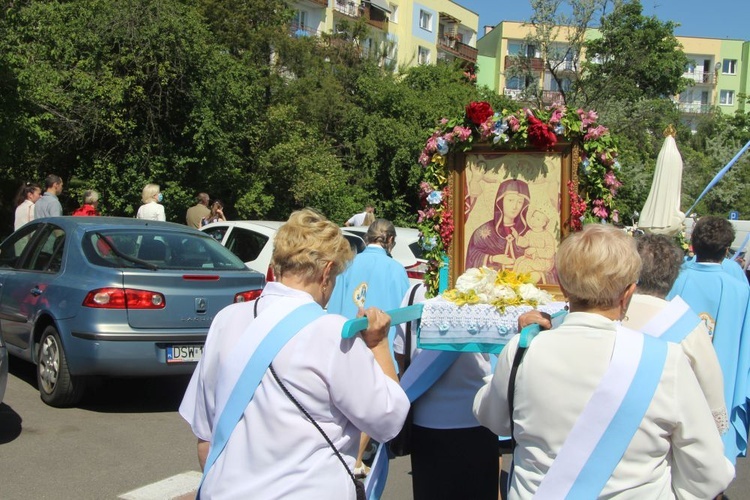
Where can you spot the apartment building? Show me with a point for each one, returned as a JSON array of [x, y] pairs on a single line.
[[408, 32], [719, 69]]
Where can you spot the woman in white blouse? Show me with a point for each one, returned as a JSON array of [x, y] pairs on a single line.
[[151, 208], [346, 385], [29, 193], [579, 385]]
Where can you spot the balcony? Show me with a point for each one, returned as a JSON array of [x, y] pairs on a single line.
[[322, 3], [535, 63], [552, 97], [701, 77], [514, 94], [456, 48], [373, 16], [348, 8], [693, 108], [300, 30]]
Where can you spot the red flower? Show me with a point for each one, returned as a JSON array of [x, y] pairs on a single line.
[[541, 135], [478, 112]]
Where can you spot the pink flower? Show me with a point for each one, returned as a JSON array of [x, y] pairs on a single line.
[[595, 133], [431, 145], [463, 133], [426, 214], [448, 137], [485, 129], [587, 118], [557, 115], [599, 209], [610, 180], [443, 121], [513, 123], [424, 159], [425, 188]]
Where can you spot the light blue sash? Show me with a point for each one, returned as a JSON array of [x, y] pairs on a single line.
[[251, 376], [586, 462], [422, 373]]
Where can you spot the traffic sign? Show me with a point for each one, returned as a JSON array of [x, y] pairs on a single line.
[[734, 215]]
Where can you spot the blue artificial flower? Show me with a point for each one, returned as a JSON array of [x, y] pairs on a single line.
[[442, 146], [500, 127], [429, 243], [435, 197], [559, 129], [586, 163], [616, 165]]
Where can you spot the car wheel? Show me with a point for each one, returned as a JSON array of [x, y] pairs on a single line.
[[57, 386]]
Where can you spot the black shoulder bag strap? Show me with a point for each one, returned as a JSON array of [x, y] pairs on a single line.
[[520, 352], [359, 486], [407, 340]]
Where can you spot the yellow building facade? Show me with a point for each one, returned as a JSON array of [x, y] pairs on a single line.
[[409, 32]]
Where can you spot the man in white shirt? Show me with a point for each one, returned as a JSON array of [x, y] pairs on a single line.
[[359, 219]]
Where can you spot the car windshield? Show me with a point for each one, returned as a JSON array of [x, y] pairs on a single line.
[[146, 247]]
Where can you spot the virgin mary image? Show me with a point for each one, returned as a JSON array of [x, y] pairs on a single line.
[[493, 243]]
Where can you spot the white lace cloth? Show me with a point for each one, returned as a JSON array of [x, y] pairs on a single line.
[[444, 322]]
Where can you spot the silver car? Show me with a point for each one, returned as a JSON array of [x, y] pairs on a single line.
[[91, 296]]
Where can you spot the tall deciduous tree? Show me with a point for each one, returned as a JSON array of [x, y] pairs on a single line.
[[636, 57]]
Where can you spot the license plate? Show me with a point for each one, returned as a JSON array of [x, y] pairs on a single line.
[[184, 353]]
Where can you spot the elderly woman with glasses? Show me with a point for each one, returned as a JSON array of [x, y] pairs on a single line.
[[598, 410]]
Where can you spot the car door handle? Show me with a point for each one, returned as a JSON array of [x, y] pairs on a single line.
[[36, 291]]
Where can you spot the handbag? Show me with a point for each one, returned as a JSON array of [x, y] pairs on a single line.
[[400, 446], [359, 485]]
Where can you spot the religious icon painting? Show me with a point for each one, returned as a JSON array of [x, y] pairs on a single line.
[[513, 212]]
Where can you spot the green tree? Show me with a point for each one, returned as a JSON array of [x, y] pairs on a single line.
[[636, 57]]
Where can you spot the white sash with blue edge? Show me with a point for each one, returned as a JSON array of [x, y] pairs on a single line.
[[250, 378], [609, 421], [674, 322]]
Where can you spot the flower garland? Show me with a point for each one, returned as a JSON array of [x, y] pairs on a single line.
[[592, 198], [501, 289]]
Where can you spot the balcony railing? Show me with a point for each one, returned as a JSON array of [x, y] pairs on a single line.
[[513, 93], [552, 97], [300, 30], [458, 49], [375, 17], [322, 3], [348, 8], [693, 108], [701, 77], [535, 63]]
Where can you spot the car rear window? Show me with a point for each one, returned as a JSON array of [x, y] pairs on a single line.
[[416, 249], [143, 247]]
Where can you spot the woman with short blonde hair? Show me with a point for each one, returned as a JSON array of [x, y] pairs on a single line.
[[152, 209], [343, 385], [596, 274], [598, 410]]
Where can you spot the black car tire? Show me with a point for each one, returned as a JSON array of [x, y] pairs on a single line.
[[57, 386]]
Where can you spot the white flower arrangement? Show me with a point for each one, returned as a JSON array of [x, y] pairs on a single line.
[[499, 288]]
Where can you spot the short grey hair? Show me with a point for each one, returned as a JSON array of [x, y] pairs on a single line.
[[661, 259], [90, 197], [380, 232]]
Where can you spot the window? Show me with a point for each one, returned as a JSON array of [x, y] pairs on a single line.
[[246, 244], [394, 13], [425, 20], [522, 49], [726, 97], [729, 67], [14, 247], [423, 57], [300, 19]]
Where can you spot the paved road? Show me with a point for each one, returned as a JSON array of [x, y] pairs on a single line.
[[125, 441]]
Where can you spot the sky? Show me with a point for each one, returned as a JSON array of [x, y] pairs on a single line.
[[699, 18]]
